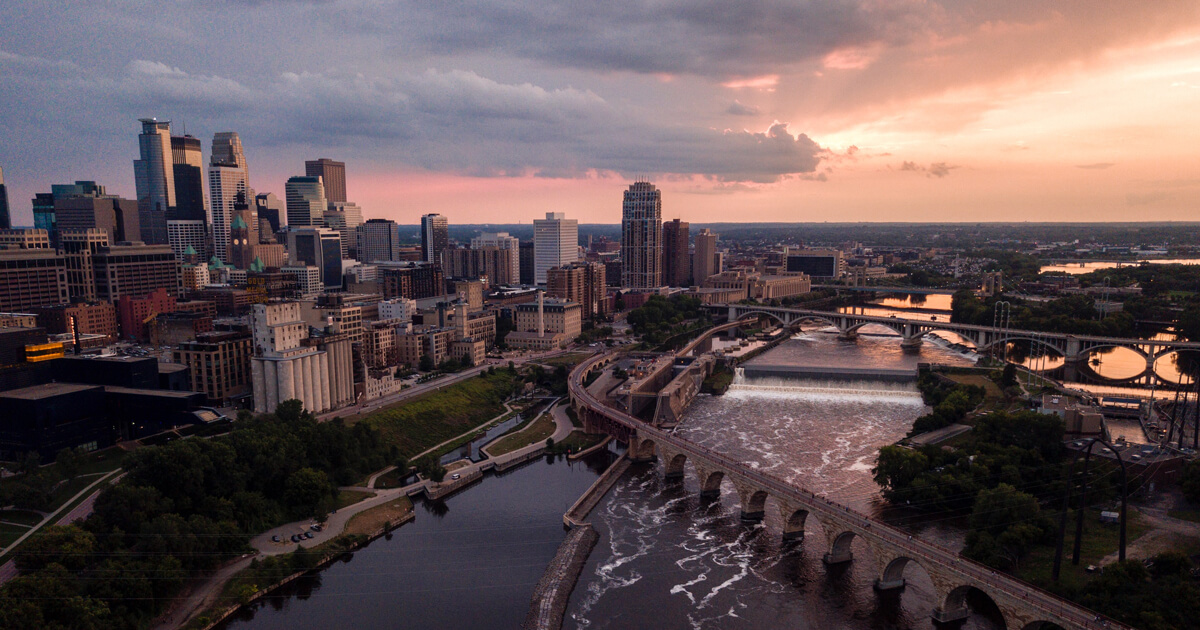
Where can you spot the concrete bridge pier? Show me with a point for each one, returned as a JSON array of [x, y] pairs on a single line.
[[793, 521], [640, 451], [912, 343], [673, 464], [839, 550], [942, 615], [754, 503], [710, 482]]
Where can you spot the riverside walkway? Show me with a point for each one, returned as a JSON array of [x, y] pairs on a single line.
[[1023, 606]]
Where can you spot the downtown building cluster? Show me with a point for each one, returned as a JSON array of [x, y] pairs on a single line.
[[224, 297]]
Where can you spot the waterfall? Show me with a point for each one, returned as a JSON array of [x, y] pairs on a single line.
[[823, 387]]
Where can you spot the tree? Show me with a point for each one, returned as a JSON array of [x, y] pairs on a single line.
[[426, 363], [1009, 377], [68, 546], [289, 411], [897, 468], [69, 460], [308, 492]]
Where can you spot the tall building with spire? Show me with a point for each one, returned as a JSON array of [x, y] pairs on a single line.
[[228, 175], [332, 174], [154, 176], [641, 237]]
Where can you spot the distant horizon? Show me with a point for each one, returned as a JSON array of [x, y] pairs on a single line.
[[772, 110]]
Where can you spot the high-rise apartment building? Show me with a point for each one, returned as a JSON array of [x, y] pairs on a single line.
[[641, 237], [332, 174], [154, 175], [378, 240], [187, 221], [228, 175], [527, 261], [435, 238], [320, 248], [502, 240], [306, 202], [706, 262], [555, 243], [345, 217], [580, 282], [492, 263], [30, 278], [269, 207], [5, 213], [677, 262], [414, 281], [219, 364]]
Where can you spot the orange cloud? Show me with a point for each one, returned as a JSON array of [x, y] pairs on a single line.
[[765, 82]]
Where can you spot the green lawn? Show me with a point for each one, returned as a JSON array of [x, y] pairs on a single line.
[[578, 441], [536, 432], [1099, 540], [24, 517], [570, 359], [417, 424], [9, 533]]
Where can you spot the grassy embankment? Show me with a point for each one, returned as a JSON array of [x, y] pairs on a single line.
[[425, 421], [1099, 540], [531, 433]]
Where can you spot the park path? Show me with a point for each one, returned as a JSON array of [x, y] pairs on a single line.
[[8, 570]]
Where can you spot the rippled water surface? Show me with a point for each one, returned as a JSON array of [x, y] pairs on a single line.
[[668, 557]]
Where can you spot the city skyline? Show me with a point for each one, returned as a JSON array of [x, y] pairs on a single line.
[[780, 112]]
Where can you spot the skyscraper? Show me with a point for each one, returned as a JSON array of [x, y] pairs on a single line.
[[318, 247], [228, 175], [435, 237], [378, 239], [154, 175], [641, 237], [272, 209], [677, 264], [332, 174], [705, 264], [555, 243], [187, 221], [306, 201], [117, 217], [5, 216], [44, 217], [345, 217]]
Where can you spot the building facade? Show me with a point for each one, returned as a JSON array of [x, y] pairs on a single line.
[[228, 176], [555, 243], [218, 365], [502, 240], [30, 278], [677, 260], [154, 176], [306, 203], [320, 248], [288, 364], [435, 238], [641, 237], [378, 240], [333, 176], [582, 283], [492, 263], [705, 263], [135, 270]]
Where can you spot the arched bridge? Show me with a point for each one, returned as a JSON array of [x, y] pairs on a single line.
[[894, 552], [1073, 348]]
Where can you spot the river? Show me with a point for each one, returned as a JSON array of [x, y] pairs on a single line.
[[469, 561], [1088, 267], [666, 556]]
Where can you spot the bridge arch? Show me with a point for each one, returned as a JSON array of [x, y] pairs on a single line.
[[813, 318], [754, 504], [642, 449], [674, 467], [774, 316], [710, 482], [955, 606], [793, 521], [1045, 343], [1092, 349]]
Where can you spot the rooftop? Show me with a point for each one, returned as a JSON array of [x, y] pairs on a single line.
[[47, 390]]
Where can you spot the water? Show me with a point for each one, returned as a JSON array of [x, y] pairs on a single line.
[[1088, 267], [470, 450], [470, 561], [669, 557]]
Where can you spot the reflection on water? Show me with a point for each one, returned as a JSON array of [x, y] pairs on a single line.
[[666, 555], [1088, 267]]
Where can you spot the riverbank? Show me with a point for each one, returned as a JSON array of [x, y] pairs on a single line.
[[553, 591]]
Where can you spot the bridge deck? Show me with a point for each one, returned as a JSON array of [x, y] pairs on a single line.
[[1053, 608]]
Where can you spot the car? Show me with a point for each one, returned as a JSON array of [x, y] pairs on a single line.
[[275, 538], [456, 476], [295, 538], [308, 535], [315, 528]]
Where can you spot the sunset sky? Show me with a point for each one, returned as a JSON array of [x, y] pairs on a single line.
[[740, 110]]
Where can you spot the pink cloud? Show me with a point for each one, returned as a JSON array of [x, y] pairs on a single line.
[[765, 82]]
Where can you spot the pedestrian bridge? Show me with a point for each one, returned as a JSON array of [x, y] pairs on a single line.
[[893, 551], [1073, 348]]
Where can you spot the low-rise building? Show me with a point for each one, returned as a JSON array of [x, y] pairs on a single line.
[[219, 365]]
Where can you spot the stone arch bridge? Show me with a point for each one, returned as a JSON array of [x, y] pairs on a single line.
[[1073, 348], [894, 552]]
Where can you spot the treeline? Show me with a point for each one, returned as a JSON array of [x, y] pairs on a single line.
[[998, 475], [661, 318], [951, 402], [1075, 314], [182, 510]]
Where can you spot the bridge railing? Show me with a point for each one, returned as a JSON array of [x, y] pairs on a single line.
[[1046, 601]]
